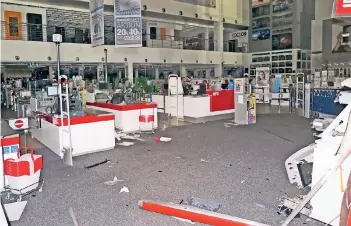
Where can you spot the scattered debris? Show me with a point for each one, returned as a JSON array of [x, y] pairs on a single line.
[[132, 138], [242, 181], [124, 189], [41, 187], [126, 143], [230, 124], [112, 182], [185, 220], [203, 204], [160, 171], [203, 160], [97, 164], [119, 135], [73, 215], [136, 135], [260, 205], [163, 139], [178, 157], [226, 126]]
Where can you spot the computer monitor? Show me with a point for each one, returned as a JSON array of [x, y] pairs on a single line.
[[202, 90], [224, 86], [52, 90]]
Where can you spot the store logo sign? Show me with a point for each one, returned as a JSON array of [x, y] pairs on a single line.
[[342, 8], [239, 34]]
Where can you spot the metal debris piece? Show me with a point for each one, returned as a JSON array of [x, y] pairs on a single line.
[[203, 160], [97, 164], [203, 204]]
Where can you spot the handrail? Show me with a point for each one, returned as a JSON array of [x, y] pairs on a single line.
[[77, 34]]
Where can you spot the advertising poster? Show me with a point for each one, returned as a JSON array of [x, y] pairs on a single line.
[[128, 23], [280, 6], [97, 22], [239, 86], [261, 34], [259, 2], [262, 76], [342, 8], [282, 41], [251, 108], [340, 41]]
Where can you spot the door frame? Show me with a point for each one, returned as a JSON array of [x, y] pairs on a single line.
[[7, 15]]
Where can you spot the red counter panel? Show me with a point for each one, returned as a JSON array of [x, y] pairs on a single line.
[[221, 100]]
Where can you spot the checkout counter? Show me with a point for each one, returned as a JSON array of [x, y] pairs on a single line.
[[204, 105], [93, 131]]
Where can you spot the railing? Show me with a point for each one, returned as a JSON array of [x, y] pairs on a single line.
[[43, 33]]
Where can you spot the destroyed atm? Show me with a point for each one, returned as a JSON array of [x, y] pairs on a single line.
[[245, 102]]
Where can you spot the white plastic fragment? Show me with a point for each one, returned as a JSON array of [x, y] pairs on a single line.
[[112, 182], [203, 160], [165, 139], [126, 144], [124, 189]]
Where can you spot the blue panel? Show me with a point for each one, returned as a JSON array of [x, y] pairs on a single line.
[[322, 101]]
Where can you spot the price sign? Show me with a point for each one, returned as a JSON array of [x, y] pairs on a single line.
[[128, 32]]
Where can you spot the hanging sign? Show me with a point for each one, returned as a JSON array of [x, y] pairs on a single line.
[[128, 23], [97, 22]]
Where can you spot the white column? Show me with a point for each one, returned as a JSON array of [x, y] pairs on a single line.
[[218, 70], [136, 73], [218, 36], [207, 37], [130, 71], [100, 73], [208, 73], [51, 73], [119, 74], [183, 72], [157, 73]]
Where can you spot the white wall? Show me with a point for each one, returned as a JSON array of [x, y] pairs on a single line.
[[323, 9], [316, 36], [28, 52]]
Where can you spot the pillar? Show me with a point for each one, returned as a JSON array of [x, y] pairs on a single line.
[[183, 72], [218, 35], [207, 38], [51, 74], [136, 73], [100, 73], [208, 73], [218, 70], [130, 71], [157, 73]]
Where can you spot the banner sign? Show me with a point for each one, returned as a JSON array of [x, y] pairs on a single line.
[[97, 22], [342, 8], [128, 23]]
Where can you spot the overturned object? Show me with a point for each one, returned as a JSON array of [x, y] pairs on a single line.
[[23, 173], [195, 214]]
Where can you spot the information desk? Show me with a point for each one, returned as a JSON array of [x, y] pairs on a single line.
[[128, 116], [90, 133], [217, 105]]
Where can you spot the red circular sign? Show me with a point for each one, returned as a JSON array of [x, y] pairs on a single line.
[[19, 123]]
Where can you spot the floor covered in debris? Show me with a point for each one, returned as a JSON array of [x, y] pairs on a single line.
[[240, 167]]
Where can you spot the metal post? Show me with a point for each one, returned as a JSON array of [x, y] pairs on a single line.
[[105, 50], [58, 58]]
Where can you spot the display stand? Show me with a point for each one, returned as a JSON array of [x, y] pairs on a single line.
[[245, 102], [300, 93], [175, 93]]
